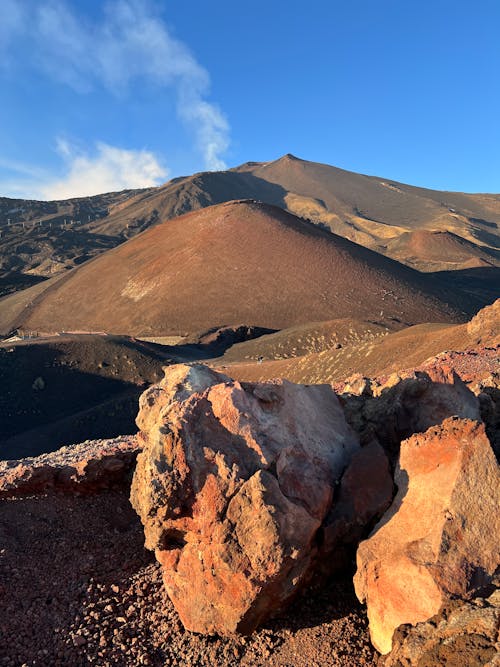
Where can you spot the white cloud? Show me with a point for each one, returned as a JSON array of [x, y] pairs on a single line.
[[108, 169], [211, 127], [22, 168], [130, 44]]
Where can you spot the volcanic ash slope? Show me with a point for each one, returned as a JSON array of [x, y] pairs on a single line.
[[236, 262]]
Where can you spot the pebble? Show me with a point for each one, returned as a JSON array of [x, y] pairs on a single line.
[[78, 640]]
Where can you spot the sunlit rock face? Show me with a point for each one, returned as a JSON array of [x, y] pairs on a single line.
[[233, 483], [439, 538]]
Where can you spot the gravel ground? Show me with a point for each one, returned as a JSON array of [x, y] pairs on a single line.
[[77, 588]]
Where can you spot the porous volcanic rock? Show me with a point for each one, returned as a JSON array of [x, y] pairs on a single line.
[[472, 365], [87, 467], [232, 486], [486, 324], [488, 392], [463, 633], [439, 538], [396, 407]]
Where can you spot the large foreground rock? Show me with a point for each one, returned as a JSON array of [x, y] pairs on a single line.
[[232, 487], [439, 538]]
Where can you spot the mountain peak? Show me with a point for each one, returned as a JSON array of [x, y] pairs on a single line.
[[290, 156]]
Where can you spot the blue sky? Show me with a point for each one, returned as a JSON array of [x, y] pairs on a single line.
[[98, 96]]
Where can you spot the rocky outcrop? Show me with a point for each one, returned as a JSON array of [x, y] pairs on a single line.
[[232, 486], [462, 634], [406, 403], [88, 467], [472, 365], [439, 538], [488, 392], [486, 325]]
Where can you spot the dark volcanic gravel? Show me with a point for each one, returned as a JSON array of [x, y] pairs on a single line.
[[77, 588]]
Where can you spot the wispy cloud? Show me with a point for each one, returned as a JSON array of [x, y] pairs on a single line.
[[21, 168], [131, 44], [107, 169]]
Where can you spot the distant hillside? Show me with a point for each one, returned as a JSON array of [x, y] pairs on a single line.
[[41, 239], [71, 388], [363, 348], [227, 264], [436, 250]]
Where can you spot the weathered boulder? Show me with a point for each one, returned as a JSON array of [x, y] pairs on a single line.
[[488, 392], [88, 467], [232, 486], [463, 634], [439, 538]]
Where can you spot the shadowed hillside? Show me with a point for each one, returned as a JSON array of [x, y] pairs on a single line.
[[70, 388]]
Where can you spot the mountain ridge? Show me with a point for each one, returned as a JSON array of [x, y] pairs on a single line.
[[40, 239]]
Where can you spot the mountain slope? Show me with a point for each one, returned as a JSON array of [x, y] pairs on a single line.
[[433, 250], [372, 211], [241, 262]]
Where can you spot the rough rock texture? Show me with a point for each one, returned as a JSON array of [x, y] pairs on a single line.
[[486, 324], [439, 538], [365, 492], [232, 487], [407, 403], [472, 365], [87, 467], [488, 392], [462, 634]]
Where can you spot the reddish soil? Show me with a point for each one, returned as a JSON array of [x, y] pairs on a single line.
[[45, 238], [77, 588], [441, 250]]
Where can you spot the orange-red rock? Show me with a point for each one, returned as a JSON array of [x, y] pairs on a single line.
[[87, 467], [232, 486], [463, 634], [486, 324], [439, 538]]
